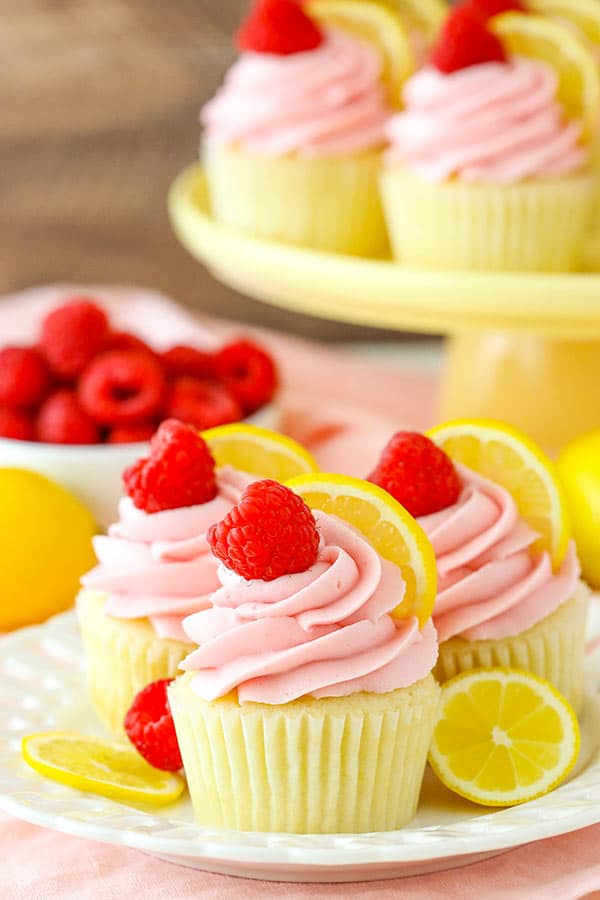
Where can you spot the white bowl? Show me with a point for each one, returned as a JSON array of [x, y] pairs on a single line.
[[93, 472]]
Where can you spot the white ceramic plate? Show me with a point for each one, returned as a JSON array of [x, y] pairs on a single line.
[[41, 678]]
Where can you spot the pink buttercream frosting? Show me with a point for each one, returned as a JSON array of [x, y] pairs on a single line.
[[324, 102], [326, 632], [496, 122], [490, 583], [159, 565]]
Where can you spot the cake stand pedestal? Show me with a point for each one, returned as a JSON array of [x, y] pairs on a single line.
[[520, 347]]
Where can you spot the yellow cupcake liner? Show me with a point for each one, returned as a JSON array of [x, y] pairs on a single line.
[[121, 657], [534, 226], [326, 204], [349, 764], [553, 649]]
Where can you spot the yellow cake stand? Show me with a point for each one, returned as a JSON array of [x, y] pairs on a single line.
[[521, 347]]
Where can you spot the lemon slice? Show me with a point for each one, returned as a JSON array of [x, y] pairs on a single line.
[[567, 52], [258, 451], [427, 16], [503, 737], [387, 526], [377, 25], [102, 766], [584, 14], [505, 455]]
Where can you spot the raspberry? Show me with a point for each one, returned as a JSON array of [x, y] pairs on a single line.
[[466, 41], [280, 27], [417, 473], [248, 372], [123, 340], [122, 387], [61, 420], [204, 404], [16, 424], [150, 728], [183, 360], [490, 8], [271, 532], [72, 335], [24, 377], [131, 434], [180, 470]]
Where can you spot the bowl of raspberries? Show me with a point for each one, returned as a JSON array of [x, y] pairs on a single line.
[[80, 401]]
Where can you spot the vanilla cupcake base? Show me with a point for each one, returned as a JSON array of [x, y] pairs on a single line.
[[553, 649], [122, 656], [533, 226], [329, 204], [333, 765]]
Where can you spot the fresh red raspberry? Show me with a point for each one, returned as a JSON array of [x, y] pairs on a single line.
[[180, 470], [122, 387], [248, 372], [72, 335], [466, 41], [24, 377], [16, 424], [150, 728], [417, 473], [61, 420], [204, 404], [124, 340], [271, 532], [280, 27], [183, 360], [132, 434], [490, 8]]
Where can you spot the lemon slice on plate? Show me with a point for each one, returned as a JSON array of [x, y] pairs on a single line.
[[390, 529], [584, 14], [377, 25], [568, 53], [259, 451], [505, 455], [503, 737], [103, 766]]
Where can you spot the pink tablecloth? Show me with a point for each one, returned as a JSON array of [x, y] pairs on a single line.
[[344, 410]]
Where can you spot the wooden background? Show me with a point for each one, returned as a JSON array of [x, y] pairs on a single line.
[[99, 104]]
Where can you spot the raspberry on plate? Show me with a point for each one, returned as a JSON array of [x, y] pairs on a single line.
[[280, 27], [248, 372], [122, 387], [150, 728], [417, 474], [24, 377], [465, 41], [204, 404], [61, 420], [180, 470], [131, 434], [72, 335], [271, 532], [182, 360], [16, 424]]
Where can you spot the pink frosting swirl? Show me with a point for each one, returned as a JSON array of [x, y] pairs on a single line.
[[160, 565], [496, 122], [490, 584], [326, 632], [324, 102]]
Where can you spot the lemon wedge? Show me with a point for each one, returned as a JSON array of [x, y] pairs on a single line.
[[390, 529], [584, 14], [427, 16], [259, 451], [102, 766], [505, 455], [503, 737]]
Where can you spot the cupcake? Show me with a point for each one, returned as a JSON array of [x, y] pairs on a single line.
[[154, 568], [485, 158], [292, 141], [501, 601], [308, 706]]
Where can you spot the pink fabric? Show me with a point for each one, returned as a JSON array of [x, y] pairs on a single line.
[[345, 410]]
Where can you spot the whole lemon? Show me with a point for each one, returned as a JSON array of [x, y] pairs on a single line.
[[579, 469], [45, 547]]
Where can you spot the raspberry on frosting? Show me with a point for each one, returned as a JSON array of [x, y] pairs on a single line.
[[278, 27], [490, 8], [465, 41]]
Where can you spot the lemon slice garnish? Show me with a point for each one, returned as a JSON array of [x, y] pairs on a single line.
[[258, 451]]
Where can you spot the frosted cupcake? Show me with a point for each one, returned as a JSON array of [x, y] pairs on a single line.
[[154, 568], [484, 160], [292, 141], [500, 602], [308, 707]]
